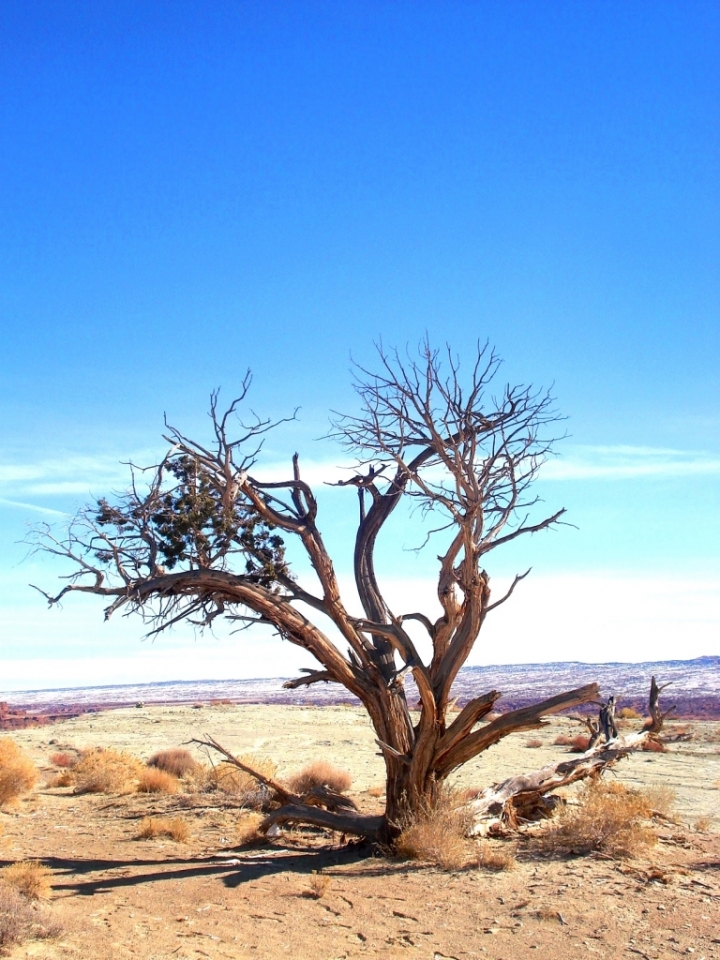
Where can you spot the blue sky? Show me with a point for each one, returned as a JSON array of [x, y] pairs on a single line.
[[190, 189]]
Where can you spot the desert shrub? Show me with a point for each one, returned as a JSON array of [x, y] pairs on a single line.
[[177, 761], [629, 713], [241, 785], [18, 773], [63, 760], [20, 919], [437, 835], [107, 771], [153, 780], [610, 818], [653, 746], [376, 791], [173, 827], [533, 744], [29, 878], [320, 773]]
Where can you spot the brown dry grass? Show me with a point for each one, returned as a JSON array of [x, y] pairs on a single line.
[[179, 762], [173, 827], [662, 799], [18, 774], [20, 919], [653, 746], [610, 818], [153, 780], [629, 713], [248, 829], [320, 773], [241, 785], [319, 885], [533, 744], [63, 779], [107, 771], [438, 835], [63, 759], [29, 878], [496, 857]]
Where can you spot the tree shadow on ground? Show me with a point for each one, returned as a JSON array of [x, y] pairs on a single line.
[[77, 876]]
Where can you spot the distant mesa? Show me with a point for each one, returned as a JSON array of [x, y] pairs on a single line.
[[695, 689]]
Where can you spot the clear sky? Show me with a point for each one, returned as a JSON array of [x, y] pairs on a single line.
[[188, 189]]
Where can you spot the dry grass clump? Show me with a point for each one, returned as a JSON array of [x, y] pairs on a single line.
[[179, 762], [241, 785], [661, 799], [18, 773], [153, 780], [107, 771], [653, 746], [21, 919], [578, 744], [29, 878], [496, 857], [63, 759], [320, 773], [319, 885], [610, 818], [64, 779], [438, 835], [248, 829], [533, 744], [173, 827], [376, 791], [629, 713]]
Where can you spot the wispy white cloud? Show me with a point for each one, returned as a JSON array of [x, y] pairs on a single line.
[[629, 462], [66, 476], [31, 506]]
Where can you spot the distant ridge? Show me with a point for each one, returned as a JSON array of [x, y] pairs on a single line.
[[695, 688]]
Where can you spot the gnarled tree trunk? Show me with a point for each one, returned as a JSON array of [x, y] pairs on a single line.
[[204, 538]]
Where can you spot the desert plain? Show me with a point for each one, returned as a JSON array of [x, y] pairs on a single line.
[[305, 894]]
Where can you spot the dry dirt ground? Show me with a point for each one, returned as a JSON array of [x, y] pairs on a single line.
[[117, 896]]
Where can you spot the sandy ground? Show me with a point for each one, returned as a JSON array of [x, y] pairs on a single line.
[[117, 896]]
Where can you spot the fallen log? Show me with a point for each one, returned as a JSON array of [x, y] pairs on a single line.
[[503, 804]]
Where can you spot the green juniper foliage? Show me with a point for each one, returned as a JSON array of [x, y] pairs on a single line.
[[188, 525]]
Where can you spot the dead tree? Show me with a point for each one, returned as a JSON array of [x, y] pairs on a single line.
[[204, 536]]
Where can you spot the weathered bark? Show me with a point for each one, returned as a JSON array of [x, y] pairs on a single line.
[[498, 804], [656, 720], [526, 796]]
